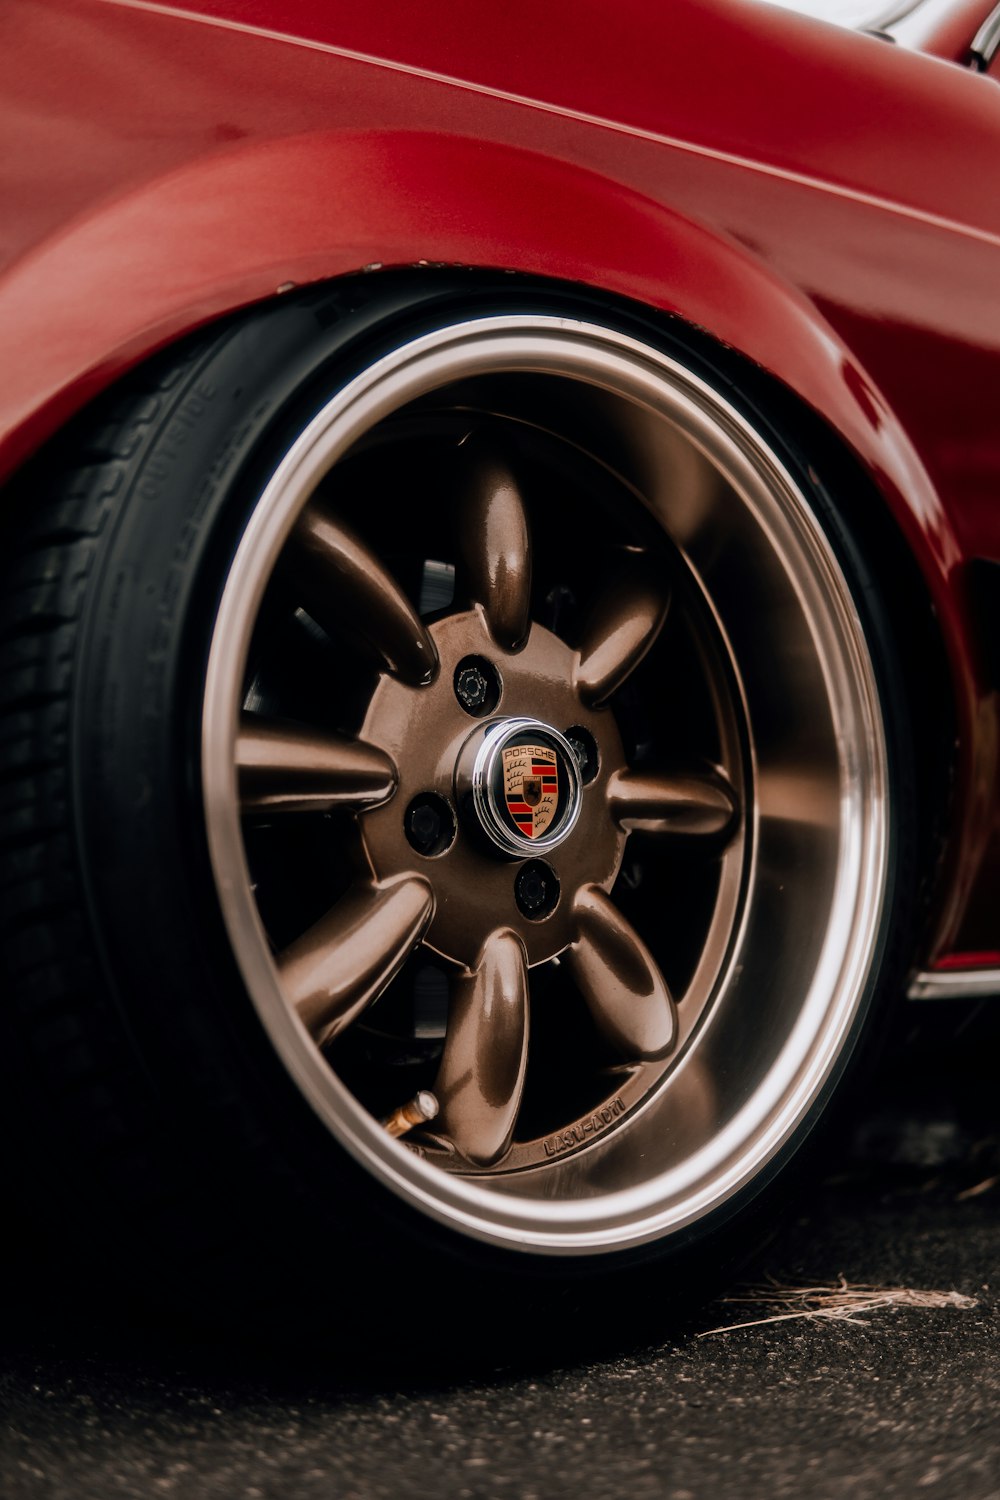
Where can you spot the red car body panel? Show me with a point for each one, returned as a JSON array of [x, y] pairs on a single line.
[[818, 200]]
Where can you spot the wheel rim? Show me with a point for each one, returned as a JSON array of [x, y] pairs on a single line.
[[694, 1092]]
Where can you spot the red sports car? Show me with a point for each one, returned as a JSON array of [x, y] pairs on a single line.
[[499, 642]]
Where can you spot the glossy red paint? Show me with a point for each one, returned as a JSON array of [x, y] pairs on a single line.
[[810, 197], [988, 958]]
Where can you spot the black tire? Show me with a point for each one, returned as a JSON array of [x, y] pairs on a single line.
[[155, 1119]]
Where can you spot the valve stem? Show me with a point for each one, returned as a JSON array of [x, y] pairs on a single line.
[[422, 1108]]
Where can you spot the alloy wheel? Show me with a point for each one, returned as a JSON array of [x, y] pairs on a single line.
[[545, 782]]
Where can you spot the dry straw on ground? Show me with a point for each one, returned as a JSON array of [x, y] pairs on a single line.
[[838, 1303]]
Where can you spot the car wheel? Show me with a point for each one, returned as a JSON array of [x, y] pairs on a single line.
[[455, 798]]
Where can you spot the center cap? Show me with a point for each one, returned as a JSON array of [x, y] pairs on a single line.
[[526, 786]]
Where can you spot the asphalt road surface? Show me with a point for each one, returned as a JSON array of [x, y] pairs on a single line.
[[905, 1403]]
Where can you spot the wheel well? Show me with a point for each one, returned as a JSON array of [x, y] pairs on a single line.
[[816, 447]]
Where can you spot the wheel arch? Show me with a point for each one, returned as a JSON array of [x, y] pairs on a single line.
[[231, 229]]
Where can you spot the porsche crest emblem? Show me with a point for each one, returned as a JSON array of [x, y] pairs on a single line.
[[531, 787]]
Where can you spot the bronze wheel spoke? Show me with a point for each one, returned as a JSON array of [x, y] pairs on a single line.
[[698, 803], [494, 544], [622, 626], [285, 767], [343, 582], [347, 958], [619, 979], [481, 1076]]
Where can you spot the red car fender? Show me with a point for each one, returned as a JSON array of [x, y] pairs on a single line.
[[237, 226]]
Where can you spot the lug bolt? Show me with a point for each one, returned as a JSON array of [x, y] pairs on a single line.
[[584, 747], [477, 685], [580, 751], [425, 825], [472, 688], [429, 824], [536, 889]]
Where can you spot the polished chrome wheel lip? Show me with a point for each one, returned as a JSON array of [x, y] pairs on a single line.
[[494, 741], [730, 1158]]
